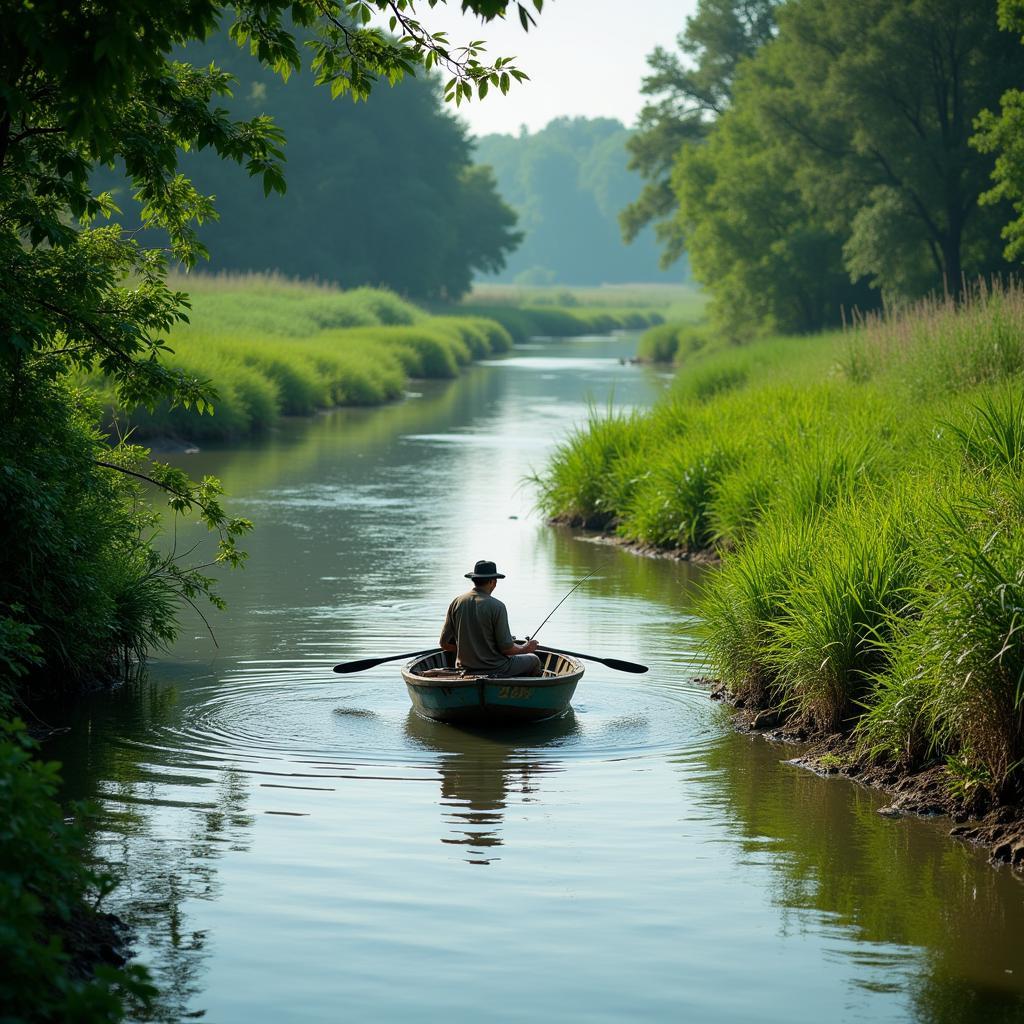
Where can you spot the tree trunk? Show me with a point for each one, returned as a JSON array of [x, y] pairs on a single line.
[[952, 266]]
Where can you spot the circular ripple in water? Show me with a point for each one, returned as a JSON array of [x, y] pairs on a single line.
[[282, 718]]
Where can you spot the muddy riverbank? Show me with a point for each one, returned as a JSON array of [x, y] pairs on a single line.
[[975, 815]]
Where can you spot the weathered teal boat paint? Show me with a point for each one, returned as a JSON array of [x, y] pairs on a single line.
[[440, 691]]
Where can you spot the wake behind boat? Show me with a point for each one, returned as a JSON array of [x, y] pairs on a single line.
[[441, 691]]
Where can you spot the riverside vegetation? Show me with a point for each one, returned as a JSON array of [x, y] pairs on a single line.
[[273, 347], [865, 491]]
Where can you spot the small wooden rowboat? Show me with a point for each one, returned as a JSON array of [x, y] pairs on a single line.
[[440, 691]]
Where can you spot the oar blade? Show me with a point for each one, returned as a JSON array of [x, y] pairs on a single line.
[[615, 663], [359, 666], [624, 666]]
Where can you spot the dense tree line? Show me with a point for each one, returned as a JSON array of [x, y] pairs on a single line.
[[386, 194], [820, 155], [567, 183]]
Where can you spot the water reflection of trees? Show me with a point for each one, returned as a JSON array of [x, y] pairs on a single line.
[[481, 770], [882, 882], [159, 868]]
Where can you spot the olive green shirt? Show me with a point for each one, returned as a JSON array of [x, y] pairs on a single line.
[[477, 624]]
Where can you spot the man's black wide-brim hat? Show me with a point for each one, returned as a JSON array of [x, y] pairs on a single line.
[[485, 571]]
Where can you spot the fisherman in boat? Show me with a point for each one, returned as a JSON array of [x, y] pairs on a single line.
[[476, 629]]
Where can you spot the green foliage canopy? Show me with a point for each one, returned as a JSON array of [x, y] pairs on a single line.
[[841, 170], [689, 92], [770, 263], [380, 193], [1003, 134], [878, 103]]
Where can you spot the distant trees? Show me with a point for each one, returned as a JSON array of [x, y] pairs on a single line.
[[381, 194], [842, 169], [567, 183]]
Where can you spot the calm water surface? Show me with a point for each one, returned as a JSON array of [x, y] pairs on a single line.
[[297, 846]]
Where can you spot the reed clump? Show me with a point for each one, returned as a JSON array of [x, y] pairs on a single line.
[[866, 493], [672, 342]]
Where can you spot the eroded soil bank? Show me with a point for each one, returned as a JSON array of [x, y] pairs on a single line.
[[977, 817]]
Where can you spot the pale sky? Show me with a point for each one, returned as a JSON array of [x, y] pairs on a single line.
[[584, 58]]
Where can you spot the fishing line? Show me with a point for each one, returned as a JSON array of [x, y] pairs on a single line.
[[533, 635]]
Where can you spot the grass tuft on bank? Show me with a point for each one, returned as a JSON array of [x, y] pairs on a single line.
[[866, 493]]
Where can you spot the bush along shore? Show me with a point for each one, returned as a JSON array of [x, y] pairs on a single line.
[[274, 348], [865, 493]]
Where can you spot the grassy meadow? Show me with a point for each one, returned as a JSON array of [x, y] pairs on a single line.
[[865, 490], [274, 347]]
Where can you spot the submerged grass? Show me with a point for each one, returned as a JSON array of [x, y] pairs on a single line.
[[866, 492]]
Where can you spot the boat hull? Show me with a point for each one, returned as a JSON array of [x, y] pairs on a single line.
[[447, 696]]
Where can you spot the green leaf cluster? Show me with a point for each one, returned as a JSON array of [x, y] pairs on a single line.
[[689, 90]]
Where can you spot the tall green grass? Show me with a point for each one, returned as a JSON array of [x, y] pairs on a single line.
[[866, 493], [273, 347], [672, 341]]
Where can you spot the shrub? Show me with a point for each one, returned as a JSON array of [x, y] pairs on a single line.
[[576, 489], [671, 506], [76, 591], [831, 640], [744, 600], [671, 342], [967, 648]]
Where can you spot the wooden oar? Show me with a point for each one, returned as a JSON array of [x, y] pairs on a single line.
[[362, 666], [365, 663], [615, 663]]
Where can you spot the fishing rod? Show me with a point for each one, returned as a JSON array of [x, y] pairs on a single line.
[[533, 635]]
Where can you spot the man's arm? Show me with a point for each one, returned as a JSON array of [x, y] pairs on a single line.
[[447, 641], [526, 647]]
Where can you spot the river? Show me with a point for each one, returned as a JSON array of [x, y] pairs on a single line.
[[297, 846]]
